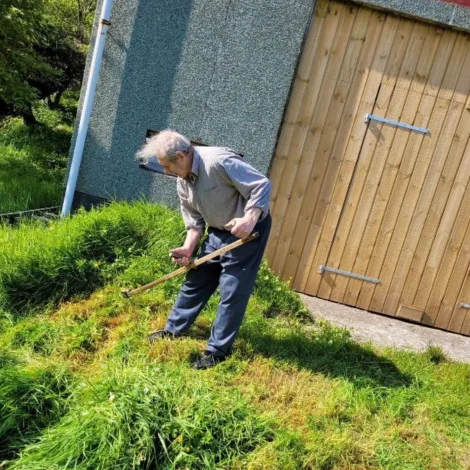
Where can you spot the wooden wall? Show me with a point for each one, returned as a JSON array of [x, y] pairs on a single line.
[[371, 198]]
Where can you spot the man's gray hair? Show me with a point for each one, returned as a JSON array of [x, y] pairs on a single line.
[[165, 144]]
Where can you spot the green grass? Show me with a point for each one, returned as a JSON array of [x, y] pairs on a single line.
[[84, 389], [32, 396], [149, 415], [33, 161], [42, 266]]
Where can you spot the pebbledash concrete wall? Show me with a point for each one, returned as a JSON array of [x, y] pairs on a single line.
[[219, 71], [453, 13]]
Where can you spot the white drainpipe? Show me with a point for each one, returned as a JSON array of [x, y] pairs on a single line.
[[87, 106]]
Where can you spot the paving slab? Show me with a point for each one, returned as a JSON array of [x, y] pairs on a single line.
[[383, 331]]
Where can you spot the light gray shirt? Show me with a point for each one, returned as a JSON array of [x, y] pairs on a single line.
[[222, 186]]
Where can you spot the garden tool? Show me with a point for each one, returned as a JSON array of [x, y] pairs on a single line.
[[194, 264]]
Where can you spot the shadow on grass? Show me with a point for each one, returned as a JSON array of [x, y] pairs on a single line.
[[199, 331], [326, 354], [329, 352]]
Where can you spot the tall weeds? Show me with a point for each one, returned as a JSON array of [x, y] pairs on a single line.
[[291, 396]]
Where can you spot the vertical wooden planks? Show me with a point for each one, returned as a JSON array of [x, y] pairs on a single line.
[[302, 79], [299, 90], [415, 157], [332, 286], [443, 296], [343, 83], [384, 139], [444, 118], [441, 216], [459, 310], [371, 198], [438, 227], [285, 186], [326, 109], [428, 186], [318, 194], [458, 292], [394, 160], [318, 253]]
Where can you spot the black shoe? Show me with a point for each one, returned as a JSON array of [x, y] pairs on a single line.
[[161, 334], [207, 359]]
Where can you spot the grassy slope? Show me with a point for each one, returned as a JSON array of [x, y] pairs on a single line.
[[33, 161], [81, 388]]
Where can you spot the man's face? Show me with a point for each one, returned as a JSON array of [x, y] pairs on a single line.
[[181, 166]]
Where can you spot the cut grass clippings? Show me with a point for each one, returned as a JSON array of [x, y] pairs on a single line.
[[33, 395], [142, 416], [294, 395]]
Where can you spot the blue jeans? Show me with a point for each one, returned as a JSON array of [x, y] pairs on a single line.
[[235, 272]]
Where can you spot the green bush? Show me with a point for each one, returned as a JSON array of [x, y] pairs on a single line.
[[45, 336], [277, 295], [38, 337]]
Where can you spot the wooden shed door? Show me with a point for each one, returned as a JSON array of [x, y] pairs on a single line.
[[370, 198]]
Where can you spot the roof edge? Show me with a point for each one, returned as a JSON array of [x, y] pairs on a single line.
[[440, 12]]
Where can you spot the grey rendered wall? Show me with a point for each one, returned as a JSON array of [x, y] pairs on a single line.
[[218, 71]]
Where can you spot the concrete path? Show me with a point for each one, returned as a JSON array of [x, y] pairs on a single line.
[[387, 331]]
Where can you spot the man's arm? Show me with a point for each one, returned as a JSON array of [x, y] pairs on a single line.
[[182, 255], [254, 187], [243, 226], [195, 227], [192, 239], [191, 217], [251, 183]]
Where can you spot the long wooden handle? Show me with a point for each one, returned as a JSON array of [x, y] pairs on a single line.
[[194, 264]]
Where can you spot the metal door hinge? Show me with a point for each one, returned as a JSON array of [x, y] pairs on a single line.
[[372, 117], [322, 269]]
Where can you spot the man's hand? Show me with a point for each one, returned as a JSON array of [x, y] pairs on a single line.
[[242, 227], [181, 255]]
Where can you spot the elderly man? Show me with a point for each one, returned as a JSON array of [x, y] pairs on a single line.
[[217, 188]]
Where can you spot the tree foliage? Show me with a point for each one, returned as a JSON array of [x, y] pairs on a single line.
[[43, 45], [75, 16], [21, 31]]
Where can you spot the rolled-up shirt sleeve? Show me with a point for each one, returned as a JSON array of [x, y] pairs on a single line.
[[191, 217], [250, 183]]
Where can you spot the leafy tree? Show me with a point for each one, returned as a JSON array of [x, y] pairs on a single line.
[[20, 33], [43, 45], [75, 16], [65, 54]]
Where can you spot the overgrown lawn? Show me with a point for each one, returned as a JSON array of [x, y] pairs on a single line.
[[81, 388]]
